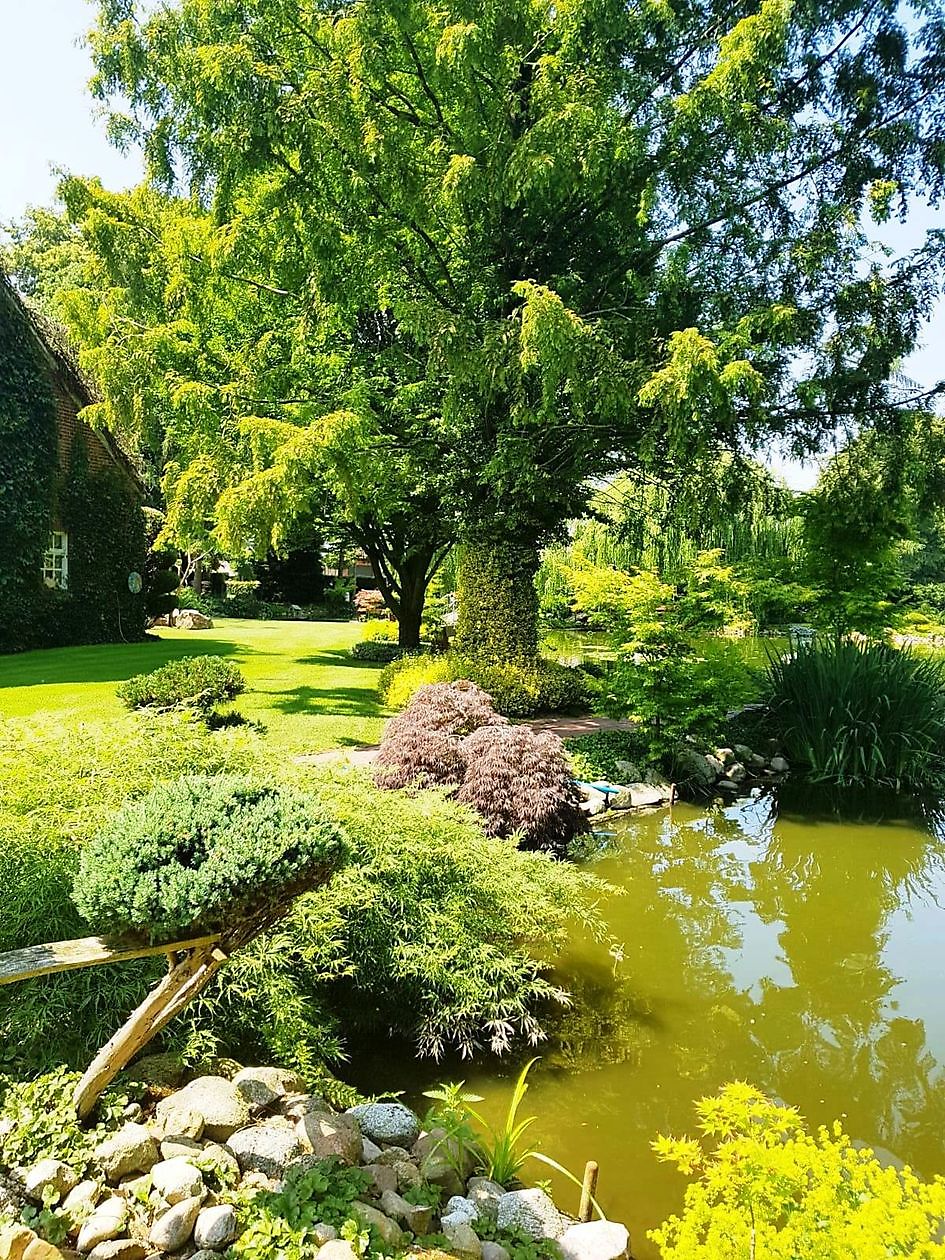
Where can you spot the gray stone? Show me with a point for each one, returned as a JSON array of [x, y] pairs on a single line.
[[741, 751], [387, 1122], [714, 764], [325, 1135], [459, 1209], [595, 1240], [640, 796], [266, 1148], [485, 1194], [593, 802], [173, 1147], [216, 1227], [443, 1161], [172, 1231], [263, 1086], [177, 1179], [531, 1211], [725, 755], [82, 1197], [324, 1233], [105, 1223], [295, 1106], [780, 765], [392, 1155], [166, 1070], [336, 1249], [217, 1161], [416, 1217], [49, 1175], [190, 619], [118, 1249], [736, 772], [382, 1177], [131, 1149], [755, 761], [408, 1174], [216, 1099], [388, 1231], [494, 1251], [369, 1151], [727, 785], [463, 1239], [692, 767]]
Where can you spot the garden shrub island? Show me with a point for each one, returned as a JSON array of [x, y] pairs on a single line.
[[459, 797]]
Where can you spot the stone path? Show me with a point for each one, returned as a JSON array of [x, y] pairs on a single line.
[[563, 727]]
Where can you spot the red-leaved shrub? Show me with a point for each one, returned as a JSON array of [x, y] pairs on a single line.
[[520, 782], [369, 604], [517, 779]]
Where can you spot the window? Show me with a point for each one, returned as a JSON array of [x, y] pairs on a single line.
[[56, 560]]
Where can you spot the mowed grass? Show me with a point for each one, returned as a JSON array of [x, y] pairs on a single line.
[[302, 684]]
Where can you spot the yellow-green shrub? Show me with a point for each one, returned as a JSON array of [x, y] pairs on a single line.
[[402, 678], [518, 688], [376, 631], [768, 1187]]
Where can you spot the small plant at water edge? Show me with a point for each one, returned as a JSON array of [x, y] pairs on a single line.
[[197, 852], [193, 682], [38, 1121]]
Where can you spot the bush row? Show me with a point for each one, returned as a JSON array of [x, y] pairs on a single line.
[[517, 690]]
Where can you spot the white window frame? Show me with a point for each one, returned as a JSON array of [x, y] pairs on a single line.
[[56, 561]]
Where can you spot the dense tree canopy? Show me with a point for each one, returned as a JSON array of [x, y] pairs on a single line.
[[594, 234]]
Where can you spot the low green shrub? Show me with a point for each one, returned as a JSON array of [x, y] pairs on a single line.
[[596, 757], [192, 682], [198, 853], [765, 1186], [38, 1121], [517, 689], [382, 650], [281, 1223], [380, 630], [861, 713]]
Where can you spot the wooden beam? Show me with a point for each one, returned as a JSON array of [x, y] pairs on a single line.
[[91, 951]]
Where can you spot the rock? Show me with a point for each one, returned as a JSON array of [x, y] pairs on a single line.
[[220, 1162], [593, 802], [336, 1249], [408, 1174], [443, 1161], [325, 1135], [14, 1239], [105, 1223], [40, 1249], [417, 1218], [388, 1231], [177, 1179], [494, 1251], [726, 785], [137, 1188], [81, 1197], [369, 1151], [164, 1070], [177, 1122], [262, 1086], [387, 1122], [531, 1211], [639, 796], [741, 751], [714, 763], [266, 1148], [118, 1249], [780, 765], [190, 619], [174, 1147], [49, 1175], [725, 755], [215, 1099], [392, 1155], [382, 1177], [295, 1106], [463, 1239], [459, 1209], [596, 1240], [324, 1233], [131, 1149], [736, 772], [755, 761], [485, 1195], [172, 1230], [693, 767], [258, 1183], [216, 1227]]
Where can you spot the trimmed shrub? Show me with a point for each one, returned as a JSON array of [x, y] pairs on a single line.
[[380, 650], [197, 853], [375, 631], [518, 689], [520, 783], [861, 713], [193, 682], [369, 604]]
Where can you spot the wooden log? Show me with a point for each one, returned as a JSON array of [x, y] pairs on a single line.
[[90, 951], [182, 983], [588, 1191]]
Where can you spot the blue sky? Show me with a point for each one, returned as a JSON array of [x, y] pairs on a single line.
[[48, 119]]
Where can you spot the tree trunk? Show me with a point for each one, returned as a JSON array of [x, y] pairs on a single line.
[[498, 604], [409, 616]]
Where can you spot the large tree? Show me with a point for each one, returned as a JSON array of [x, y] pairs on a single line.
[[607, 233]]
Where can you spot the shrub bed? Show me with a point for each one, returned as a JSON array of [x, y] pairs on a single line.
[[517, 689], [193, 682]]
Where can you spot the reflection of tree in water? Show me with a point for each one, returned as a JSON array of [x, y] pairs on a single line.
[[833, 1043]]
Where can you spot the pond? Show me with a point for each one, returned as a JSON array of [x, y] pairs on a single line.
[[768, 940]]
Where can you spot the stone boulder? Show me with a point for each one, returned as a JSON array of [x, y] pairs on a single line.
[[485, 1196], [263, 1086], [213, 1098], [106, 1222], [216, 1227], [326, 1134], [387, 1122], [596, 1240], [531, 1211], [118, 1249], [266, 1148], [191, 619], [49, 1175], [172, 1231], [131, 1149], [177, 1179]]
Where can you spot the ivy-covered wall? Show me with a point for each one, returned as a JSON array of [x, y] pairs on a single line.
[[49, 480]]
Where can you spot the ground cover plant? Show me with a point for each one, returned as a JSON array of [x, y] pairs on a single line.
[[763, 1185], [860, 713], [199, 683]]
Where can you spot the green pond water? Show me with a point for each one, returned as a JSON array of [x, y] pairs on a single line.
[[774, 940]]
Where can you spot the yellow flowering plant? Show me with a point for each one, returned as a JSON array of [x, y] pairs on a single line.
[[766, 1188]]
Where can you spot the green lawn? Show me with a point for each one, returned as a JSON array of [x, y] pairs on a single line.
[[301, 681]]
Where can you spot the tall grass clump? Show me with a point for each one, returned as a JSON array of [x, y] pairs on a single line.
[[859, 713]]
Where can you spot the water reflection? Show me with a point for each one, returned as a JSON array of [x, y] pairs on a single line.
[[796, 943]]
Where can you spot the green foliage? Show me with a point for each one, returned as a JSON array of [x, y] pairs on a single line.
[[38, 1121], [766, 1186], [375, 631], [518, 688], [283, 1222], [498, 604], [594, 757], [861, 713], [191, 682], [201, 853]]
